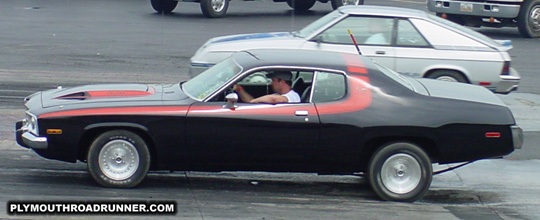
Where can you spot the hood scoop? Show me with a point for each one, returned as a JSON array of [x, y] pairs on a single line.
[[83, 95]]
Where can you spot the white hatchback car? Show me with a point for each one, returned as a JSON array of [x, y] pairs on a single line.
[[412, 42]]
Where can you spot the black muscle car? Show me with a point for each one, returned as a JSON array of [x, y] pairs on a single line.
[[355, 116]]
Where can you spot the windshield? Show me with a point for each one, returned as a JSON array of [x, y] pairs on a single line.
[[316, 25], [208, 81]]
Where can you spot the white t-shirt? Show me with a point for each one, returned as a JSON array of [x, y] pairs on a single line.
[[376, 39], [292, 96]]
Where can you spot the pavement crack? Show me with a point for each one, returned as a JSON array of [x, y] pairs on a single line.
[[198, 205]]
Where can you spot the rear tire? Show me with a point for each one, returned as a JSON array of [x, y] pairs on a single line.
[[163, 6], [119, 159], [528, 19], [400, 171], [338, 3], [448, 75], [301, 5], [214, 8]]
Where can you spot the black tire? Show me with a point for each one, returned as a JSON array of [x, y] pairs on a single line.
[[448, 75], [118, 159], [528, 20], [214, 8], [163, 6], [301, 5], [338, 3], [400, 171]]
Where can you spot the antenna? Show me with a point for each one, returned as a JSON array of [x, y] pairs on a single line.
[[354, 41]]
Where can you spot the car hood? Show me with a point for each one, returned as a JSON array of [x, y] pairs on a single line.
[[219, 48], [102, 93], [458, 91]]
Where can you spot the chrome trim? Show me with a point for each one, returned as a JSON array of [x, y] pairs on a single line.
[[34, 142], [301, 113], [259, 68], [517, 137]]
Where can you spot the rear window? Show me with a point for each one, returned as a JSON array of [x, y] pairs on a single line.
[[395, 76]]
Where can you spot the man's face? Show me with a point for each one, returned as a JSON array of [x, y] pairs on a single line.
[[276, 85]]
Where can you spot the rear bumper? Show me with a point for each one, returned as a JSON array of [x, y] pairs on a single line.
[[507, 84], [482, 9], [517, 137], [27, 139]]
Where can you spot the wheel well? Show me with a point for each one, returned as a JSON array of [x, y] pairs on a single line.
[[428, 73], [372, 145], [91, 134]]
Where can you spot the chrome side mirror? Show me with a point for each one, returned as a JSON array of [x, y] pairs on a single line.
[[232, 99]]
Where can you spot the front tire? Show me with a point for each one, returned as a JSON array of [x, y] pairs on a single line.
[[400, 171], [214, 8], [528, 19], [163, 6], [301, 5], [338, 3], [119, 159]]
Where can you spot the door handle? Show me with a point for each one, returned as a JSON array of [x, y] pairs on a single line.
[[301, 113], [380, 52]]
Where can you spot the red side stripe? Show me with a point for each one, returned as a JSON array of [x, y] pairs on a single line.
[[166, 110], [359, 98], [118, 93]]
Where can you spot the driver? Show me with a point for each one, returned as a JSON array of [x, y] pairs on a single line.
[[281, 83]]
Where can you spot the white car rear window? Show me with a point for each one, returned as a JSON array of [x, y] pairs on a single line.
[[445, 39]]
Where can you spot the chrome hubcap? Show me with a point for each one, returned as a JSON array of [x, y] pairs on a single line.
[[118, 160], [535, 18], [218, 5], [350, 2], [401, 173], [447, 78]]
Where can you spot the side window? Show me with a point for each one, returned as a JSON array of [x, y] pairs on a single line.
[[366, 30], [407, 35], [329, 87]]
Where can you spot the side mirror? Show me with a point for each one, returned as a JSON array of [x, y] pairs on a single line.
[[232, 99]]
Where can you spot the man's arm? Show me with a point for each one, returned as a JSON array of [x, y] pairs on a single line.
[[272, 98], [246, 97]]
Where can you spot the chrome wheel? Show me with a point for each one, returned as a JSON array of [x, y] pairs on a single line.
[[528, 20], [338, 3], [118, 160], [534, 19], [447, 79], [218, 5], [214, 8], [401, 173], [350, 2]]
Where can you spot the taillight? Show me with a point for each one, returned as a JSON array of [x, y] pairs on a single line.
[[506, 68]]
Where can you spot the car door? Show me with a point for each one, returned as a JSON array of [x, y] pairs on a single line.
[[413, 52], [374, 36], [252, 136]]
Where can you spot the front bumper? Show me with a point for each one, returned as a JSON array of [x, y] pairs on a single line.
[[483, 9], [28, 140]]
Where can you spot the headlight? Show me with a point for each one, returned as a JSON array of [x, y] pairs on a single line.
[[31, 123]]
